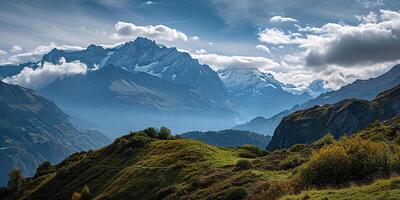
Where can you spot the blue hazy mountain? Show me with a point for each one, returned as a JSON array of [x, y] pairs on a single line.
[[33, 130], [229, 138], [139, 84], [255, 93]]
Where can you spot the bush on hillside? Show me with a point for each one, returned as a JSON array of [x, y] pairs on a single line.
[[45, 168], [151, 132], [326, 140], [16, 180], [83, 195], [297, 147], [164, 133], [349, 160], [252, 152], [243, 165], [291, 162], [139, 141]]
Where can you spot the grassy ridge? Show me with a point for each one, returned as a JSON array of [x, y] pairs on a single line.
[[137, 166]]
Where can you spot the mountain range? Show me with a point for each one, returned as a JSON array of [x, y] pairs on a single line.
[[148, 84], [229, 138], [360, 89], [33, 130], [256, 93]]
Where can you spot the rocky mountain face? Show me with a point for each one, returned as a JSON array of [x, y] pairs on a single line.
[[144, 55], [229, 138], [344, 117], [360, 89], [317, 87], [33, 130], [255, 93]]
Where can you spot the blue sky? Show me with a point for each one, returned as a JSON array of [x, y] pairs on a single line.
[[298, 41]]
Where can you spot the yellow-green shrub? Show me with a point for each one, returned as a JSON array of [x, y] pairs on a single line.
[[350, 159]]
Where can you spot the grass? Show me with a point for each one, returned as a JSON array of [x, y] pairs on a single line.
[[138, 167], [387, 189]]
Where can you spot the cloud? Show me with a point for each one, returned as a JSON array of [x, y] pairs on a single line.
[[370, 3], [129, 31], [282, 19], [37, 53], [200, 51], [16, 49], [216, 61], [370, 18], [2, 52], [149, 2], [277, 37], [47, 73], [368, 43], [195, 38], [263, 48]]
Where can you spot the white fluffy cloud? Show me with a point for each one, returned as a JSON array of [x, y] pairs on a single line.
[[47, 73], [2, 52], [195, 38], [128, 31], [375, 40], [37, 53], [16, 49], [282, 19], [216, 61], [277, 37], [263, 48]]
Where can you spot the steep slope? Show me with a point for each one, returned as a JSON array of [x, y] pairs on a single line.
[[256, 93], [360, 89], [33, 129], [229, 138], [345, 117]]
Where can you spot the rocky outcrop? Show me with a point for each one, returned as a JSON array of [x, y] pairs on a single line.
[[345, 117]]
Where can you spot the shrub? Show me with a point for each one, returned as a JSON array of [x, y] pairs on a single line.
[[16, 180], [243, 165], [151, 132], [291, 162], [297, 147], [45, 168], [83, 195], [350, 159], [139, 141], [164, 133], [327, 139], [253, 152]]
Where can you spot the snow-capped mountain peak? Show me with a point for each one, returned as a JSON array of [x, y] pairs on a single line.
[[248, 79], [317, 87]]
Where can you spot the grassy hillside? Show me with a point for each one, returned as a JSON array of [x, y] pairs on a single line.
[[154, 165]]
